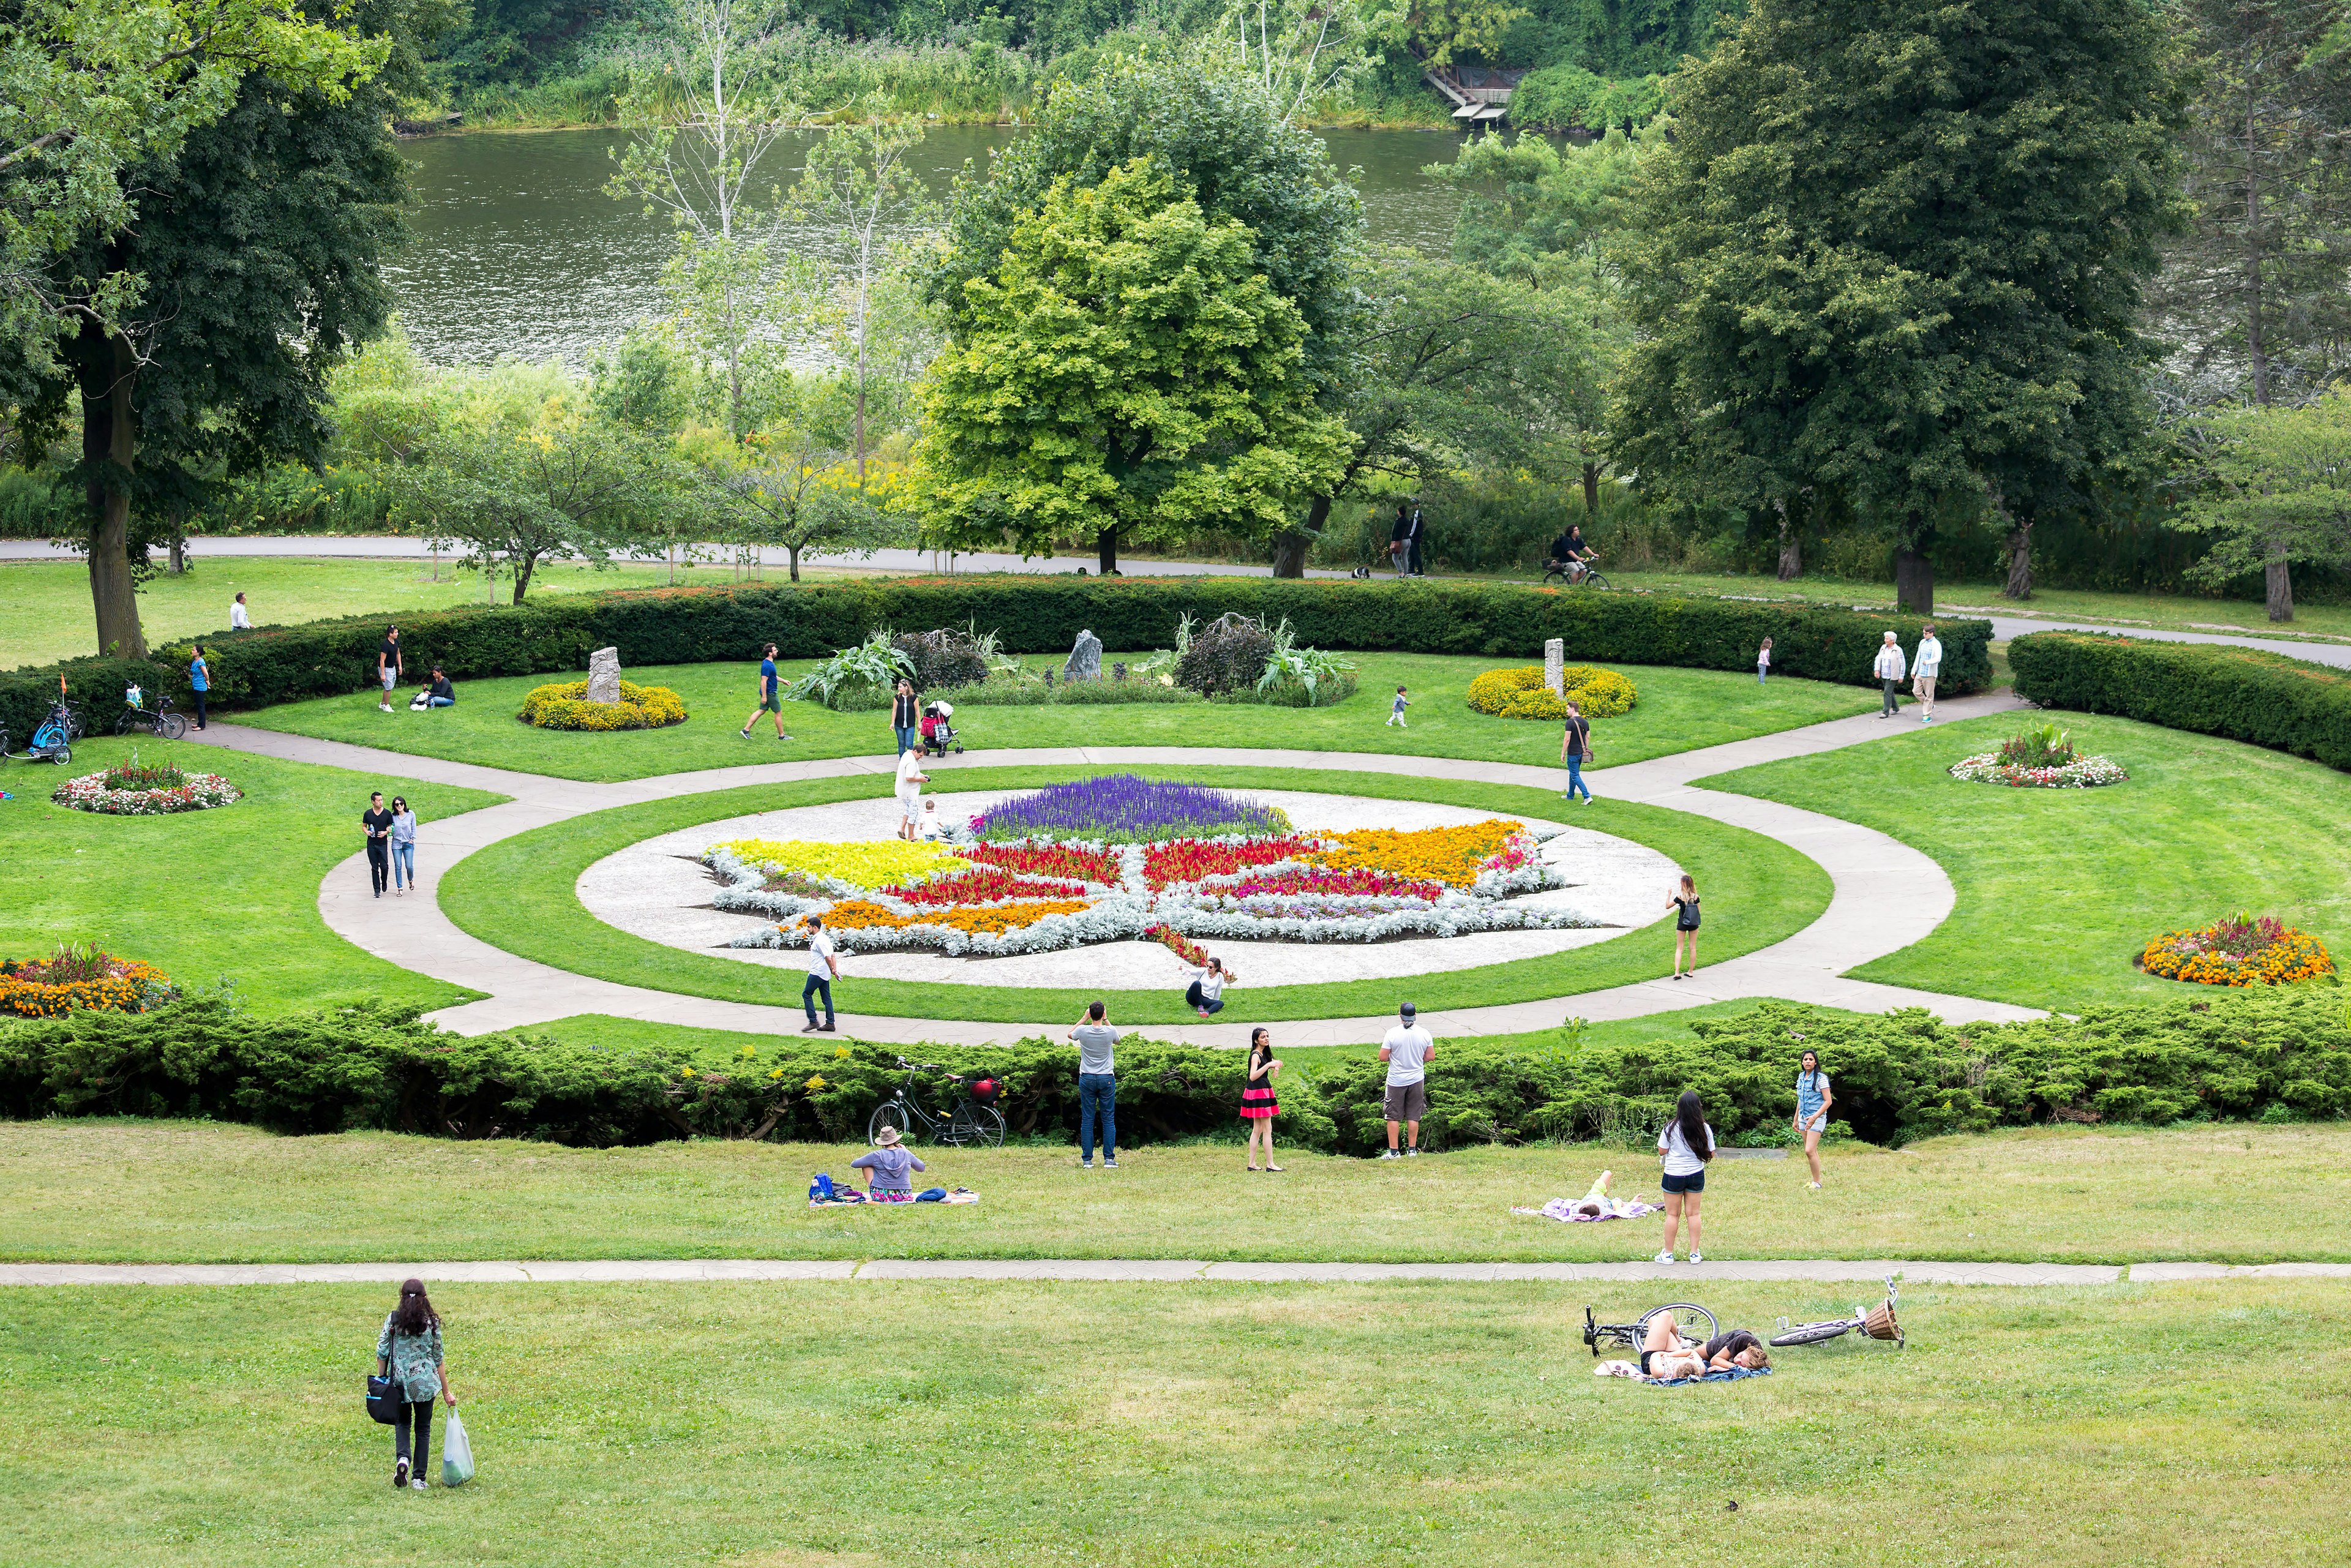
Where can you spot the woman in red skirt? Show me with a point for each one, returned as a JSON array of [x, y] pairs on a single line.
[[1259, 1107]]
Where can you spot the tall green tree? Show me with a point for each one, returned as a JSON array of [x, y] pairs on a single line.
[[1126, 371], [2262, 280], [1892, 250], [2276, 489]]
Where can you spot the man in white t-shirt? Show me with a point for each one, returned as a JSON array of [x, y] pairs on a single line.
[[1406, 1050], [911, 779], [823, 968], [238, 620], [1924, 668]]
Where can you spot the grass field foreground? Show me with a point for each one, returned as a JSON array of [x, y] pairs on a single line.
[[2059, 890], [998, 1422], [1678, 710], [518, 894], [132, 1191], [229, 891]]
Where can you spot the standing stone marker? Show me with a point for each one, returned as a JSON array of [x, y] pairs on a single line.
[[1554, 665], [604, 675], [1085, 659]]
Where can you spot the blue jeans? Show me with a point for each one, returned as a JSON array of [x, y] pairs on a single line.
[[1762, 671], [441, 702], [1193, 998], [1576, 776], [908, 738], [404, 860], [1097, 1093], [816, 985]]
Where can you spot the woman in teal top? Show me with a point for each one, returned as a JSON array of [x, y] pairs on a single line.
[[408, 1351], [1813, 1102], [200, 679]]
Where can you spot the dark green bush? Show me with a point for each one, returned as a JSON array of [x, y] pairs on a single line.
[[96, 684], [1227, 654], [1032, 615], [2211, 688], [942, 658]]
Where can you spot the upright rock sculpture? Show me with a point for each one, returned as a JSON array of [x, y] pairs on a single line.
[[1555, 665], [1085, 659], [604, 675]]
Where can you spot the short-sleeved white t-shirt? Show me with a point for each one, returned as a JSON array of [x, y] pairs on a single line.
[[820, 949], [910, 768], [1679, 1161], [1408, 1047]]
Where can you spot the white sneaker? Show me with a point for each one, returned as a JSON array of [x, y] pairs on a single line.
[[1697, 1257], [1412, 1154], [419, 1483], [1388, 1153], [1663, 1258]]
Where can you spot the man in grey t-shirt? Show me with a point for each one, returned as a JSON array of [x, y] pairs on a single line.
[[1097, 1087], [1406, 1050]]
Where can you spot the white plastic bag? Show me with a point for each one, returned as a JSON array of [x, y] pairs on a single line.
[[456, 1455]]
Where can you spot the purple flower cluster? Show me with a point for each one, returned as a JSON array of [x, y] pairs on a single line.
[[1121, 808]]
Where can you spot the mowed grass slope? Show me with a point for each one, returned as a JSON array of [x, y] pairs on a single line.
[[2059, 890], [129, 1191], [1011, 1423], [1678, 710], [232, 892]]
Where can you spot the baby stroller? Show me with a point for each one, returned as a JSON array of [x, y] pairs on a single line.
[[938, 734]]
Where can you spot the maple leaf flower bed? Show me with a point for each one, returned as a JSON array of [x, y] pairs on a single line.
[[2238, 951], [1038, 893], [153, 789]]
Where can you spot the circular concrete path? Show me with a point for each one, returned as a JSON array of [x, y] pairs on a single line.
[[1887, 897]]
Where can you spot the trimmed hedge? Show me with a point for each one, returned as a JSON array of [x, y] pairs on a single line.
[[1032, 615], [2209, 688], [2276, 1056]]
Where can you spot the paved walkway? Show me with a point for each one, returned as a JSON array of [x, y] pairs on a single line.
[[1116, 1270], [1887, 895]]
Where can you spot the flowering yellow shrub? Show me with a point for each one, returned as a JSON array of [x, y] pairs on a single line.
[[858, 914], [1521, 692], [2237, 952], [1450, 855], [565, 705], [867, 864]]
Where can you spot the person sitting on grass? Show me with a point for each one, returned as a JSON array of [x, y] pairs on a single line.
[[440, 694], [1667, 1354], [887, 1166], [1206, 992]]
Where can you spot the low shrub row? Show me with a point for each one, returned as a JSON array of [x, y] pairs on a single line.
[[2211, 688], [1905, 1075], [1032, 615]]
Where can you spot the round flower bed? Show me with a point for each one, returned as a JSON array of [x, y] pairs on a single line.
[[81, 976], [2042, 757], [566, 707], [1521, 693], [145, 789], [2238, 951]]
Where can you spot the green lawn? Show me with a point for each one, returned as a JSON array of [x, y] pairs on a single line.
[[1015, 1422], [2059, 890], [231, 892], [140, 1191], [519, 893], [1678, 710]]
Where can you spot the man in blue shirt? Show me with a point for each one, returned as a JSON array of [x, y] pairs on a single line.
[[200, 679], [771, 700]]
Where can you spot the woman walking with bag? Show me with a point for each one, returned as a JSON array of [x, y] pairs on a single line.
[[408, 1351], [1259, 1107], [1685, 925]]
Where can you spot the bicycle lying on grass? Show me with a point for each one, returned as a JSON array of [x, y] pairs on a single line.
[[1693, 1322], [973, 1118], [1878, 1323]]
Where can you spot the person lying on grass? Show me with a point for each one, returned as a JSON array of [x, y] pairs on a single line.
[[1667, 1354]]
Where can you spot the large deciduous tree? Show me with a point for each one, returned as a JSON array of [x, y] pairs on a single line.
[[1892, 249], [1126, 370], [2276, 489]]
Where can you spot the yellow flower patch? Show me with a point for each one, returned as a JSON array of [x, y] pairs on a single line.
[[869, 864], [1449, 855], [858, 914], [1521, 692], [565, 705]]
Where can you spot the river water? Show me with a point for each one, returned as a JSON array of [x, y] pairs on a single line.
[[520, 252]]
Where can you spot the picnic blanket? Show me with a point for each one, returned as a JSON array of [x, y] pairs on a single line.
[[1728, 1375], [1578, 1211], [823, 1194]]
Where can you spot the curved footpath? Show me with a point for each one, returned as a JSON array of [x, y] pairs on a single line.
[[1887, 895]]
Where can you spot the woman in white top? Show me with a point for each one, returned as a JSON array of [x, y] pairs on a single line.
[[1687, 1144], [1206, 992]]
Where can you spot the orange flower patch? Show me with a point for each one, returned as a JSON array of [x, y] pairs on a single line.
[[863, 914], [1450, 855]]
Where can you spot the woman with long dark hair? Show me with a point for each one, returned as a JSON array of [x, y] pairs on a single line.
[[1813, 1102], [1259, 1106], [1687, 1144], [408, 1351]]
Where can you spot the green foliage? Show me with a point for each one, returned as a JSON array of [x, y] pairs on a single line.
[[1567, 96], [2278, 490], [2244, 694], [2045, 744], [874, 666]]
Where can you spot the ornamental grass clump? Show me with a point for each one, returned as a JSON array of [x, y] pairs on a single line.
[[565, 705], [2241, 950], [1125, 808]]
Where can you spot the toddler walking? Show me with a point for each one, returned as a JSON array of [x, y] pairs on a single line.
[[1395, 714], [1764, 661]]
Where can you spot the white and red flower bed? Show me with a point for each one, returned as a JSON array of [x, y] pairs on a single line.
[[145, 791], [2081, 773]]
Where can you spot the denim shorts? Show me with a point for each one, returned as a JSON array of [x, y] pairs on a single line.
[[1696, 1182]]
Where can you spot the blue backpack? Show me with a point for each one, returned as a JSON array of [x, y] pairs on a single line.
[[821, 1189]]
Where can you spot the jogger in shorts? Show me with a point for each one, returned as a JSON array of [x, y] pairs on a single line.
[[1406, 1052]]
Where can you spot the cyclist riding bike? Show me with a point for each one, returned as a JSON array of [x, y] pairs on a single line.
[[1570, 555]]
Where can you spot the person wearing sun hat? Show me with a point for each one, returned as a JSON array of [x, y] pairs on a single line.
[[1406, 1052], [889, 1164]]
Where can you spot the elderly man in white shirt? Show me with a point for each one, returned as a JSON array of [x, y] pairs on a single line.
[[1924, 668], [1889, 670]]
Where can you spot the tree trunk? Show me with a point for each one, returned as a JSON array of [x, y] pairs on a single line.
[[1914, 581], [1106, 547], [109, 444], [2280, 591], [1792, 550], [179, 565], [1592, 492], [2019, 563], [523, 565], [794, 551], [1290, 545], [2256, 352]]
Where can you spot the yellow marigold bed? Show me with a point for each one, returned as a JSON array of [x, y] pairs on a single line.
[[1449, 855], [1521, 692], [565, 705]]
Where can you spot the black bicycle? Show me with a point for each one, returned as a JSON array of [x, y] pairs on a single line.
[[1694, 1321], [159, 720], [1574, 574], [971, 1118]]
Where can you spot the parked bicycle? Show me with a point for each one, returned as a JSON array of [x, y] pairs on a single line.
[[53, 741], [159, 720], [1694, 1321], [971, 1117], [1878, 1323]]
